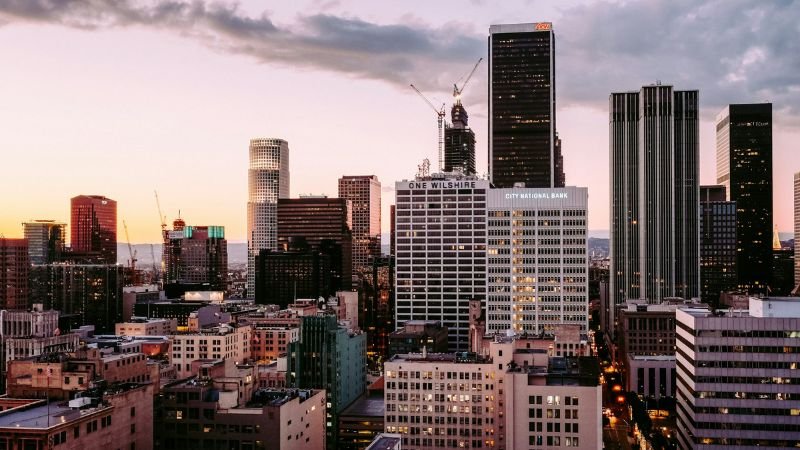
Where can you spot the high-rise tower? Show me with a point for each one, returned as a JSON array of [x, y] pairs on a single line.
[[364, 193], [267, 181], [93, 228], [797, 229], [523, 146], [744, 167], [654, 194], [46, 239], [459, 142]]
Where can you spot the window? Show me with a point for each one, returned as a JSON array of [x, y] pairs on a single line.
[[133, 428], [133, 411]]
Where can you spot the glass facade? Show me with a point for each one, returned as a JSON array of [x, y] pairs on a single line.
[[522, 125], [93, 227], [717, 244]]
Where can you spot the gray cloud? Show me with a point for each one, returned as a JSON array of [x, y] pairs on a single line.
[[732, 50]]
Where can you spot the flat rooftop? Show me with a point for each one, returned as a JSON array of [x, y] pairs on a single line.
[[366, 406], [384, 443], [463, 357]]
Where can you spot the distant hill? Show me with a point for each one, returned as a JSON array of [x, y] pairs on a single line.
[[237, 253]]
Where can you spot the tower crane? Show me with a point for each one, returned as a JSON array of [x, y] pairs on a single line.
[[131, 252], [161, 217], [440, 113], [458, 90]]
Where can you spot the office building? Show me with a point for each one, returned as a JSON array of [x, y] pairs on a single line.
[[537, 260], [320, 221], [392, 212], [328, 356], [782, 282], [195, 258], [737, 376], [441, 251], [142, 326], [717, 244], [360, 422], [442, 400], [364, 194], [459, 142], [377, 300], [555, 405], [14, 273], [797, 229], [654, 195], [46, 240], [92, 293], [93, 228], [267, 181], [523, 146], [285, 276], [744, 167]]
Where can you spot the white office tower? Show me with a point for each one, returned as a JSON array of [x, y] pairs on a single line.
[[440, 233], [267, 181], [738, 376], [537, 260]]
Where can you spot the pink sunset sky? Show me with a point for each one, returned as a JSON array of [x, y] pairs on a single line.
[[119, 98]]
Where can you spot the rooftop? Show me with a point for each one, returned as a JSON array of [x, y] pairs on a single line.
[[384, 442], [461, 357], [367, 406]]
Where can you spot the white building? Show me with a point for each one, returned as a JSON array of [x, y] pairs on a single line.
[[537, 259], [222, 342], [441, 251], [267, 181], [738, 377], [146, 327]]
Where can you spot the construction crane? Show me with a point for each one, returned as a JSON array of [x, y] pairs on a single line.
[[161, 217], [440, 113], [131, 252], [456, 90]]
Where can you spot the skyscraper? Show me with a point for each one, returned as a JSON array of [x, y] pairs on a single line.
[[14, 266], [267, 181], [537, 260], [364, 193], [523, 147], [654, 194], [459, 142], [797, 229], [744, 166], [717, 244], [93, 228], [195, 258], [441, 251], [46, 239]]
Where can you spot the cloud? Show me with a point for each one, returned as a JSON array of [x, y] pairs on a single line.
[[731, 50]]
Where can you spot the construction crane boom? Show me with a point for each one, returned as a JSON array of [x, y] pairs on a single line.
[[440, 113], [456, 90], [131, 252], [161, 217]]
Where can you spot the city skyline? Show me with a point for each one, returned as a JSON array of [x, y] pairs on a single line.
[[156, 104]]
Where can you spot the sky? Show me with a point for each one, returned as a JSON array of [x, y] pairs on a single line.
[[122, 97]]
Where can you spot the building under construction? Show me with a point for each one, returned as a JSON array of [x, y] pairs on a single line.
[[195, 258]]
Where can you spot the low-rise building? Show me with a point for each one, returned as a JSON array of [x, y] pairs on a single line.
[[360, 422], [268, 343], [221, 342], [416, 334], [119, 417], [223, 408], [142, 326]]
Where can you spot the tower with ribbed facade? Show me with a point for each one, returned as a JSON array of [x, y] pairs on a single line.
[[654, 194], [267, 181]]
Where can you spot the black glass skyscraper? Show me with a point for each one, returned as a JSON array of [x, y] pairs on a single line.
[[717, 244], [744, 167], [522, 107]]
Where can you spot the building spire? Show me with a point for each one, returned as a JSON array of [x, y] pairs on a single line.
[[776, 240]]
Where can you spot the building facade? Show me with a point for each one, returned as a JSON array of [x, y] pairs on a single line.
[[737, 376], [92, 293], [220, 342], [283, 277], [717, 244], [653, 137], [93, 228], [324, 223], [328, 356], [441, 251], [195, 257], [459, 142], [46, 240], [364, 194], [744, 167], [797, 228], [267, 181], [14, 273], [522, 107], [537, 260]]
